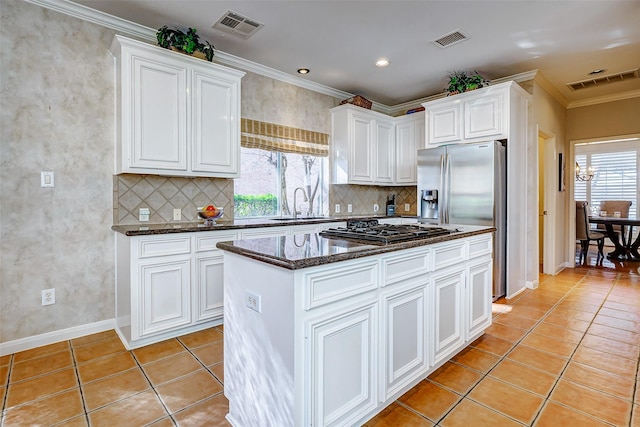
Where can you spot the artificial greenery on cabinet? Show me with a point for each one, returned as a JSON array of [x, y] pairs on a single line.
[[461, 81], [188, 42]]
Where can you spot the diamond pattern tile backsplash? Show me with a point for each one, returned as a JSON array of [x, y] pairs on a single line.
[[162, 194], [363, 197]]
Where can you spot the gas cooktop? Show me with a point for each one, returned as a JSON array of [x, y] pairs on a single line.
[[372, 231]]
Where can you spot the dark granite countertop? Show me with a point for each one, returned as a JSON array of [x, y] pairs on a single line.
[[309, 250], [223, 224]]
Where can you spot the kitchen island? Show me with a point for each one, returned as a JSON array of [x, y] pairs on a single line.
[[328, 332]]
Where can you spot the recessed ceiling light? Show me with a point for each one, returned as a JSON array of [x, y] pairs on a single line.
[[598, 71], [382, 62], [303, 71]]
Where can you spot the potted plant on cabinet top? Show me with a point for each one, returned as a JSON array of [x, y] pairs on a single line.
[[188, 42], [460, 81]]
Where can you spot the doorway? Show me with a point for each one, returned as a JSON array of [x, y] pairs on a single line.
[[547, 188]]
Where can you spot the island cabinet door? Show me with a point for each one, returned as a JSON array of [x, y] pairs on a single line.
[[404, 355], [342, 362], [479, 294], [164, 296], [447, 310]]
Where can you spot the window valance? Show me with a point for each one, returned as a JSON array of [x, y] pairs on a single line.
[[274, 137]]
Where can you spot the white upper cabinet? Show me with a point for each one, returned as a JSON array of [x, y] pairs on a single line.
[[385, 164], [177, 115], [469, 117], [374, 149], [409, 139]]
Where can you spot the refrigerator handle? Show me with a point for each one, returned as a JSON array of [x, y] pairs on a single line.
[[443, 191], [445, 204]]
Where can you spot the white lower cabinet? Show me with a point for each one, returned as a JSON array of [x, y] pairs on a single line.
[[163, 296], [337, 343], [209, 300], [168, 285], [448, 316], [405, 335], [479, 295], [342, 362]]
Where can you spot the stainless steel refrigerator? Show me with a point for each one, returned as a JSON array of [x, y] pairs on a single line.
[[466, 184]]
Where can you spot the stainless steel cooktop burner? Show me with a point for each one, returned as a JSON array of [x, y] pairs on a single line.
[[372, 231]]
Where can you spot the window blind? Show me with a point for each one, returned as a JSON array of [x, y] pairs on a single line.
[[284, 139]]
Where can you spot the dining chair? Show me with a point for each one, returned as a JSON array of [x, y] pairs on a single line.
[[612, 206], [585, 235]]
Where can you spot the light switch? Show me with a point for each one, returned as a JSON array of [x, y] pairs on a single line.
[[46, 179]]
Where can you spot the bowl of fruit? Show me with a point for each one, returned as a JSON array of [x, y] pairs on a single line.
[[210, 213]]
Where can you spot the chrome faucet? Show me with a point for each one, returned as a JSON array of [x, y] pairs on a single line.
[[304, 193]]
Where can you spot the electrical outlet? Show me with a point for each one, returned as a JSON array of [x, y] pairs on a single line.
[[143, 214], [407, 207], [376, 208], [177, 214], [49, 296], [349, 208], [254, 301], [337, 208]]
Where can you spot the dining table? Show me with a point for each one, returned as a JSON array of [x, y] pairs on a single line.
[[626, 247]]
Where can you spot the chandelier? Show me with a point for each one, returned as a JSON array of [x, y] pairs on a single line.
[[584, 175]]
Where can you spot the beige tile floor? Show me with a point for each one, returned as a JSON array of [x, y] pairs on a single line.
[[565, 354]]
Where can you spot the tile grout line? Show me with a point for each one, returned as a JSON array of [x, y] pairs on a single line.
[[516, 343], [573, 353], [139, 365], [6, 391], [75, 369]]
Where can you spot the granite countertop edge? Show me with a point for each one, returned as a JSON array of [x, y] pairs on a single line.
[[191, 227], [367, 250]]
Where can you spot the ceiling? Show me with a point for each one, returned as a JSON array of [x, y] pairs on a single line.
[[340, 41]]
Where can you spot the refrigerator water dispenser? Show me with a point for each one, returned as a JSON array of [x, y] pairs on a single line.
[[429, 204]]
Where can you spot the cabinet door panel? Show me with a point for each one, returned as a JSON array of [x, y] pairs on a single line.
[[165, 297], [444, 124], [159, 102], [483, 117], [343, 366], [479, 296], [209, 282], [385, 152], [405, 339], [360, 153], [215, 120], [448, 305], [406, 153]]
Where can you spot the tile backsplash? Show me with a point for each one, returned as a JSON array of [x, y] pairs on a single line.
[[163, 194], [363, 197]]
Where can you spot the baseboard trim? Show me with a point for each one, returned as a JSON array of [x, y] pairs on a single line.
[[562, 267], [532, 284], [515, 294], [28, 343]]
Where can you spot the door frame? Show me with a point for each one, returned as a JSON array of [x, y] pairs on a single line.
[[550, 188]]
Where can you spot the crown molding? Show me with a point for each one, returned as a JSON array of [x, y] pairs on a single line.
[[604, 99], [149, 34], [87, 14], [551, 90]]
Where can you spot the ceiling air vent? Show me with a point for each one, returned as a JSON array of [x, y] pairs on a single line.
[[602, 80], [450, 39], [236, 24]]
